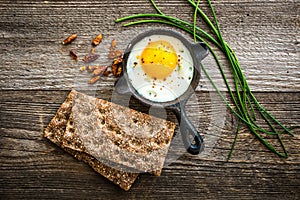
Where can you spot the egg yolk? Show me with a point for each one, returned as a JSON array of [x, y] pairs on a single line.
[[159, 59]]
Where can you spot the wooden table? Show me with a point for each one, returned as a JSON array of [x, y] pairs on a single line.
[[37, 74]]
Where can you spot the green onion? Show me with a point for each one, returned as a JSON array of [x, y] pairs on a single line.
[[246, 107]]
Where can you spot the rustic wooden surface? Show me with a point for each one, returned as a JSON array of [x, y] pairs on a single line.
[[37, 74]]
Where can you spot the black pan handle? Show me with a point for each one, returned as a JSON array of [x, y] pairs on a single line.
[[192, 140]]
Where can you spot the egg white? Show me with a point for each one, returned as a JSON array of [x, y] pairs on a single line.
[[158, 90]]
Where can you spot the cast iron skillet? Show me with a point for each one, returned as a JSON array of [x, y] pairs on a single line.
[[192, 140]]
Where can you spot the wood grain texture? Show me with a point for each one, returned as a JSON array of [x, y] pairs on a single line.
[[37, 74], [265, 36], [31, 164]]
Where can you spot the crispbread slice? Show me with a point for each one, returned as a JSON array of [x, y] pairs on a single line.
[[115, 141], [56, 131]]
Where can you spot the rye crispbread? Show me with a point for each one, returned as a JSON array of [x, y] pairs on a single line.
[[115, 141]]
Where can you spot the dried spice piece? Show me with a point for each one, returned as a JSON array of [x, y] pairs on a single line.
[[99, 70], [116, 66], [90, 58], [91, 68], [70, 39], [82, 68], [92, 50], [115, 54], [106, 73], [94, 79], [97, 40], [112, 49], [118, 53], [113, 44], [73, 55]]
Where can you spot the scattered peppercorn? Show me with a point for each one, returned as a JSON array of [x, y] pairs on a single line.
[[70, 39], [94, 79], [116, 66], [91, 68], [90, 58], [107, 72], [99, 70], [118, 53], [73, 55], [112, 49], [97, 40]]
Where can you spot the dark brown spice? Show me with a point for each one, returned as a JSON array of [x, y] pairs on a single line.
[[107, 73], [113, 44], [118, 53], [99, 70], [73, 55], [116, 66], [94, 79], [90, 58], [70, 39], [97, 40], [112, 49]]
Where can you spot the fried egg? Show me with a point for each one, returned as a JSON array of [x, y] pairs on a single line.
[[160, 68]]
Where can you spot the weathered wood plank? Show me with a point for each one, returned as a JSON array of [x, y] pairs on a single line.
[[263, 34]]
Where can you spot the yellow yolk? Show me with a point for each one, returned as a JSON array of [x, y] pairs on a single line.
[[159, 59]]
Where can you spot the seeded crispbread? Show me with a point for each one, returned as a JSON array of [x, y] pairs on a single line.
[[56, 132], [115, 141]]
